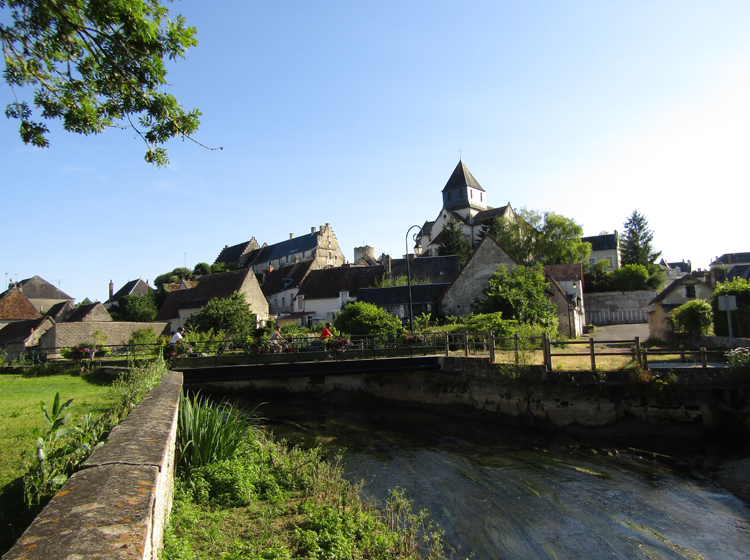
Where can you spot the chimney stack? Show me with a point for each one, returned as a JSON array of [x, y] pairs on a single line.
[[291, 236], [312, 229], [111, 289]]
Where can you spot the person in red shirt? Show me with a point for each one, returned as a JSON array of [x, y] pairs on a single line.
[[325, 334]]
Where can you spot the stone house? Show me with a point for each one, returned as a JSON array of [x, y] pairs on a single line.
[[186, 301], [324, 292], [41, 293], [15, 337], [678, 292], [280, 287], [605, 247], [133, 288], [319, 246], [474, 276], [465, 201]]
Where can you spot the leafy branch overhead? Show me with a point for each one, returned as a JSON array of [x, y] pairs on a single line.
[[95, 64]]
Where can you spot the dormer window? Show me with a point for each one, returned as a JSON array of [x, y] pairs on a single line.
[[449, 196]]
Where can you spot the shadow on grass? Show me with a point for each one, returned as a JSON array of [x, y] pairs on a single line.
[[15, 517]]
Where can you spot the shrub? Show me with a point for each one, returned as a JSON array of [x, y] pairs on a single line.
[[739, 357], [231, 315], [740, 318], [361, 319], [693, 317]]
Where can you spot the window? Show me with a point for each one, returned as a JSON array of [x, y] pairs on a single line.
[[690, 290], [449, 196], [329, 254], [471, 193], [283, 302], [480, 197], [592, 261], [275, 302]]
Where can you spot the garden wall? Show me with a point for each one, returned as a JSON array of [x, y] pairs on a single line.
[[70, 334], [613, 308], [118, 505]]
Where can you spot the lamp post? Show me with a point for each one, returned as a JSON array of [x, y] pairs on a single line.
[[417, 251]]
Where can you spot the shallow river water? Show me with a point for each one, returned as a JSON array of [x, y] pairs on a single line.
[[501, 493]]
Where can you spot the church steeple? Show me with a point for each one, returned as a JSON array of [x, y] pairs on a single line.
[[463, 193]]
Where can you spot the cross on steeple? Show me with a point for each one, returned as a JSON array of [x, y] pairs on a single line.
[[460, 153]]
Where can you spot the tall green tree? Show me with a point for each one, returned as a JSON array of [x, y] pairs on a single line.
[[138, 309], [637, 239], [534, 236], [520, 294], [453, 241], [231, 315], [95, 64]]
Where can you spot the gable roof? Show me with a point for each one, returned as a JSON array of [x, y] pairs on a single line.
[[15, 306], [605, 242], [38, 288], [739, 271], [89, 312], [679, 281], [59, 311], [285, 248], [329, 282], [500, 212], [234, 253], [435, 269], [732, 258], [286, 277], [460, 178], [134, 287], [20, 331]]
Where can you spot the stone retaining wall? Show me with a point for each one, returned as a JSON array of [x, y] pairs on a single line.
[[118, 505]]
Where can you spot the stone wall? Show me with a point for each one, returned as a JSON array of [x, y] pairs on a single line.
[[118, 505], [698, 403], [70, 334], [612, 308]]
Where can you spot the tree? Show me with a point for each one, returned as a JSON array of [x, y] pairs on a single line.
[[201, 269], [629, 278], [453, 241], [520, 294], [95, 64], [231, 315], [361, 319], [636, 246], [533, 236], [173, 277], [138, 309]]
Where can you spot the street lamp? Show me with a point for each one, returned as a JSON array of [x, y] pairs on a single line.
[[417, 250]]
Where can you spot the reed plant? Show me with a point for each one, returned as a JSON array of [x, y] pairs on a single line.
[[207, 433]]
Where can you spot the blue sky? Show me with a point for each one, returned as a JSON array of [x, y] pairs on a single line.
[[353, 114]]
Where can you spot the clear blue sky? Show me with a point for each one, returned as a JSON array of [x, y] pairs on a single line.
[[353, 113]]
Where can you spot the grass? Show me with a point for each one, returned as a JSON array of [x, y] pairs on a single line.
[[19, 414]]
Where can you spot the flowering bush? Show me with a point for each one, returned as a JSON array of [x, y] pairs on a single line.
[[256, 345], [738, 357], [337, 345], [177, 350], [84, 350], [412, 339]]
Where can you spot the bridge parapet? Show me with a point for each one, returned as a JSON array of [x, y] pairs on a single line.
[[118, 505]]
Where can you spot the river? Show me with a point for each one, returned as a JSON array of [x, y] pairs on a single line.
[[503, 493]]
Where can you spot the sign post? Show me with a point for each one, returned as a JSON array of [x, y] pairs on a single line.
[[728, 303]]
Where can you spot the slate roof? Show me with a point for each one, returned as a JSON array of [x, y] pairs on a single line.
[[38, 288], [210, 286], [606, 242], [733, 258], [679, 281], [329, 282], [59, 311], [234, 253], [285, 278], [134, 287], [435, 269], [739, 271], [15, 306], [279, 250], [461, 178], [19, 331], [421, 294], [491, 213], [684, 266]]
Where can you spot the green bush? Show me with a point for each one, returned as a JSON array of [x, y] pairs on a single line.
[[231, 315], [741, 318], [693, 317], [362, 319]]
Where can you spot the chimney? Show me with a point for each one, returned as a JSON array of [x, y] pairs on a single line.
[[312, 229], [111, 289], [387, 262], [321, 229], [291, 236]]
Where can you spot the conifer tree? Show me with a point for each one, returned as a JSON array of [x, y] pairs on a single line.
[[636, 246], [453, 241]]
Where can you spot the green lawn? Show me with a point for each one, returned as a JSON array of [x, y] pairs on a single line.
[[20, 414]]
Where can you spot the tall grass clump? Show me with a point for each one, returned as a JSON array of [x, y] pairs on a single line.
[[208, 433]]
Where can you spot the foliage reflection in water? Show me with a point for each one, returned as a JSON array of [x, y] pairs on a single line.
[[502, 493]]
